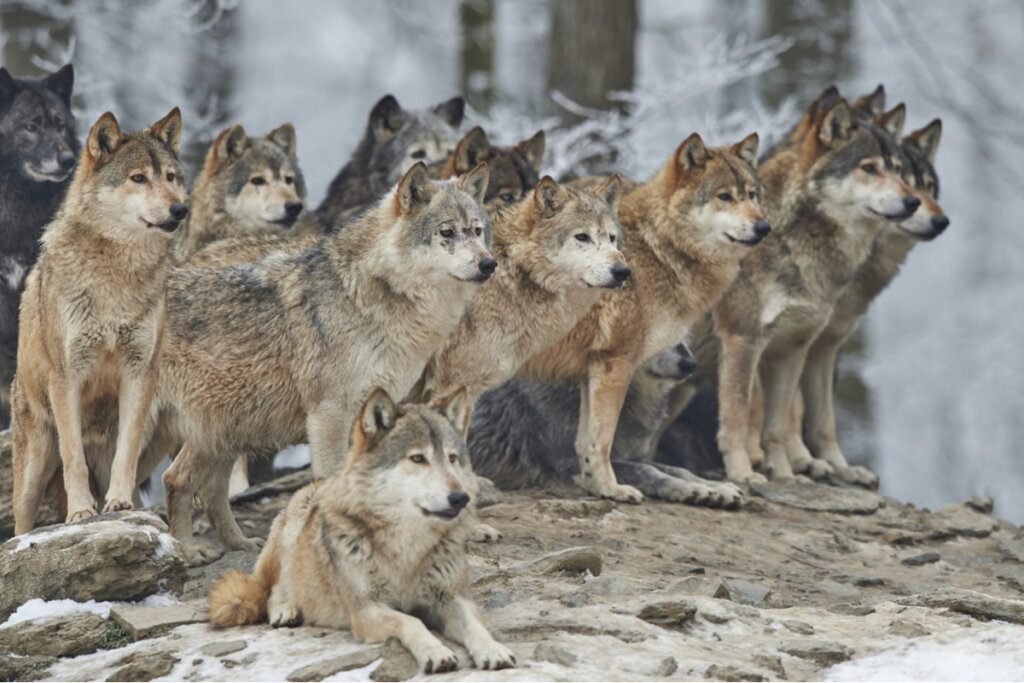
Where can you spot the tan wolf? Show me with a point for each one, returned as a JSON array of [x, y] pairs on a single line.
[[92, 321], [384, 538]]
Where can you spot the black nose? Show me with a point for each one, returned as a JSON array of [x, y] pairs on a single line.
[[178, 211], [293, 209], [911, 203], [458, 499], [620, 272], [939, 223], [762, 228], [66, 160], [687, 363], [487, 266]]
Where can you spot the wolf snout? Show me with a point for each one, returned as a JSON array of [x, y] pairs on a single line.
[[66, 160], [458, 499], [620, 272], [762, 228], [292, 209], [487, 265], [939, 223]]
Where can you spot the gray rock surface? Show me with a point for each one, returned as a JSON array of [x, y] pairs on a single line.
[[396, 663], [70, 636], [222, 648], [971, 602], [578, 559], [819, 497], [329, 667], [745, 592], [674, 614], [141, 622], [821, 652], [144, 666]]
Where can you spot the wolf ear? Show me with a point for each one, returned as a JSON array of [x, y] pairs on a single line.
[[284, 137], [8, 88], [386, 117], [61, 82], [375, 419], [610, 192], [452, 111], [874, 103], [104, 138], [230, 143], [892, 121], [456, 408], [414, 188], [533, 149], [473, 148], [836, 124], [549, 196], [168, 130], [692, 155], [475, 182], [927, 139], [746, 149], [825, 101]]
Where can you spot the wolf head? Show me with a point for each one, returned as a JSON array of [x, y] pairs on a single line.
[[255, 181], [675, 364], [514, 170], [571, 237], [37, 130], [440, 227], [929, 221], [410, 462], [400, 137], [131, 183]]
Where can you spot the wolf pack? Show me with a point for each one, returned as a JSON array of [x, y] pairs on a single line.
[[447, 313]]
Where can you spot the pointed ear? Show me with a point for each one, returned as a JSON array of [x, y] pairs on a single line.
[[230, 144], [746, 149], [533, 150], [284, 137], [610, 192], [874, 103], [549, 196], [927, 139], [8, 88], [892, 121], [456, 408], [386, 117], [475, 182], [375, 419], [451, 111], [168, 130], [414, 188], [691, 156], [473, 148], [61, 82], [825, 101], [836, 124], [104, 138]]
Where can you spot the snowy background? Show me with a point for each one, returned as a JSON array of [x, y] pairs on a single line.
[[931, 392]]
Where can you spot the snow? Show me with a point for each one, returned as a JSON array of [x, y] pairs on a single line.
[[37, 608], [292, 457], [26, 541]]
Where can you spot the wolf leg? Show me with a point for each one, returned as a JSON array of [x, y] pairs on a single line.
[[735, 379], [34, 461], [179, 487], [800, 459], [756, 423], [66, 401], [135, 395], [213, 489], [375, 623], [280, 610], [654, 482], [239, 480], [728, 495], [327, 428], [780, 373], [460, 619]]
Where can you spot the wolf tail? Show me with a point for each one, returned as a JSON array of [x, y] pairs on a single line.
[[238, 598]]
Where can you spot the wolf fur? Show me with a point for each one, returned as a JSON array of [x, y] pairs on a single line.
[[394, 140], [685, 232], [38, 152], [92, 321], [266, 354]]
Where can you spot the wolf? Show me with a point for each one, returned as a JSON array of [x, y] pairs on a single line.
[[685, 231], [248, 186], [522, 434], [261, 355], [92, 321], [38, 152], [828, 193], [514, 170], [394, 140]]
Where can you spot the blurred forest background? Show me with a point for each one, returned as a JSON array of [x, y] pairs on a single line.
[[932, 387]]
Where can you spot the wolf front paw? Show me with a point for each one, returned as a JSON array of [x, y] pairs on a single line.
[[437, 659], [84, 513], [494, 657], [485, 533], [816, 469], [118, 504], [727, 496], [856, 476], [248, 544], [285, 616], [199, 554], [622, 493]]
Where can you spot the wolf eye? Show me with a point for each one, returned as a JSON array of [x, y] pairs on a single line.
[[31, 127], [869, 168], [418, 458], [752, 195], [258, 180], [288, 180], [479, 231], [170, 177], [725, 197], [582, 237], [138, 178], [452, 457], [507, 197], [418, 154], [447, 232]]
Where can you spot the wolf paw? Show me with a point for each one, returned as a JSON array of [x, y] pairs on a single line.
[[728, 496], [485, 533], [286, 616], [198, 554], [248, 544], [81, 514], [116, 505], [438, 659], [816, 469], [494, 657], [857, 476], [748, 478]]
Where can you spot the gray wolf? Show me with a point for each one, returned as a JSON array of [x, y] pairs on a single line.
[[385, 538], [394, 140], [261, 355], [248, 186], [92, 321], [685, 231], [38, 151]]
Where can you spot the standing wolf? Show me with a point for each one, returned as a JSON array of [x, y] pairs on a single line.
[[384, 539], [38, 149], [261, 355], [394, 140], [92, 321]]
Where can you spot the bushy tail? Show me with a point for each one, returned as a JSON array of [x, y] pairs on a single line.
[[238, 599]]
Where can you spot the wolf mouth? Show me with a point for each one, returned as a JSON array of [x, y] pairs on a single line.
[[168, 226], [753, 241], [894, 216], [448, 514], [285, 222], [51, 177]]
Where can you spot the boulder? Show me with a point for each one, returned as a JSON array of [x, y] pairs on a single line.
[[70, 636], [818, 497]]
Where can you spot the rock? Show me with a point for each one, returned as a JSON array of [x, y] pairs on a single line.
[[556, 655], [858, 580], [70, 636], [837, 589], [1013, 549], [396, 663], [818, 497], [47, 509], [771, 662], [970, 602], [577, 559], [799, 627], [564, 509], [851, 610], [498, 598], [143, 666], [699, 585], [575, 599], [745, 593], [222, 648], [673, 615], [982, 504], [919, 560], [30, 668], [820, 652], [116, 556], [965, 521], [488, 494], [908, 629], [200, 578], [667, 667], [730, 673], [329, 667], [140, 622]]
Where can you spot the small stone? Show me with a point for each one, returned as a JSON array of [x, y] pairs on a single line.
[[142, 621], [667, 667], [908, 629], [799, 627], [746, 593], [70, 636], [819, 497], [578, 559], [963, 520], [556, 655], [249, 659], [820, 652], [143, 666], [672, 615], [837, 589], [771, 662], [29, 668], [731, 673], [1013, 549], [498, 598], [919, 560], [851, 610], [700, 585], [330, 667], [223, 648], [972, 603], [982, 504], [397, 664], [576, 599]]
